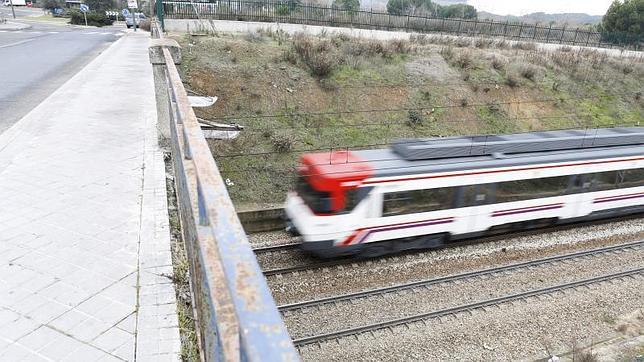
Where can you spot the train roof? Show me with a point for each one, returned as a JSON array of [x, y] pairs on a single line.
[[407, 157]]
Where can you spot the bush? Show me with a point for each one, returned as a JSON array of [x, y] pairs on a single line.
[[528, 71], [465, 60], [414, 118], [497, 63], [145, 25], [511, 80], [93, 18], [282, 142]]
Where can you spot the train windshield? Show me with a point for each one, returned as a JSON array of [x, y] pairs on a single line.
[[322, 202], [318, 201]]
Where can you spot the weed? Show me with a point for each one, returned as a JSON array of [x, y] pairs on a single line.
[[414, 118], [524, 45], [447, 53], [465, 60], [528, 71], [253, 36], [282, 142], [511, 80], [498, 63], [464, 102]]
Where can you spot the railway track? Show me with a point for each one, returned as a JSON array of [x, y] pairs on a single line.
[[456, 277], [304, 262], [453, 311]]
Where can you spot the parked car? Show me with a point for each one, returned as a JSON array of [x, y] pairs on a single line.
[[138, 17], [15, 3]]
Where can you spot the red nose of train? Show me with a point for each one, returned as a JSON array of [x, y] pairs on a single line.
[[335, 172]]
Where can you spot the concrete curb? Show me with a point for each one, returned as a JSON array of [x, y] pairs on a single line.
[[12, 26]]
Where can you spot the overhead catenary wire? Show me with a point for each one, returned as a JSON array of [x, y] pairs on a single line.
[[371, 145], [403, 109]]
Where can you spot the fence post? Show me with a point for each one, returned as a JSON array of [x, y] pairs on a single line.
[[505, 28], [563, 31], [574, 42], [460, 22], [534, 35], [521, 31], [160, 14], [588, 38], [548, 36], [407, 24]]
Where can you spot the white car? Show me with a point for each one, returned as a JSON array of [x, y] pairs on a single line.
[[138, 18]]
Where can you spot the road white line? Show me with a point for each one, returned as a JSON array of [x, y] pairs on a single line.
[[91, 32], [3, 31], [53, 32], [17, 43]]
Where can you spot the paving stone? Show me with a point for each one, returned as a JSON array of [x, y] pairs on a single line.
[[84, 221]]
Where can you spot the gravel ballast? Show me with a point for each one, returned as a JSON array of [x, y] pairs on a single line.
[[361, 275], [374, 309], [518, 330]]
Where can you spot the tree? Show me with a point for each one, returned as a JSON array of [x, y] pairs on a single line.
[[351, 5], [625, 17], [412, 7], [99, 5], [458, 11], [52, 4]]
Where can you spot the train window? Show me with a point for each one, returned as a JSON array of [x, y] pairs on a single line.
[[531, 189], [318, 201], [354, 196], [417, 201], [632, 178], [606, 180]]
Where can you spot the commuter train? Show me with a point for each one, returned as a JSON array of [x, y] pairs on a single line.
[[423, 193]]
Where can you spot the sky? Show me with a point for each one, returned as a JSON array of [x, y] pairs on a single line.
[[522, 7]]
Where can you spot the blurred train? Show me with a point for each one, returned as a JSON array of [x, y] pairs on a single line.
[[423, 193]]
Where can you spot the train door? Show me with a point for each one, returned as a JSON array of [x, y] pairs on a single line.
[[582, 200], [476, 199]]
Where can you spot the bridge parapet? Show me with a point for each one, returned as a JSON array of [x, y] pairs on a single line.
[[236, 316]]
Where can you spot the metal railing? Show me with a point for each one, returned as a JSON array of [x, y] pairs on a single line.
[[236, 316], [286, 12]]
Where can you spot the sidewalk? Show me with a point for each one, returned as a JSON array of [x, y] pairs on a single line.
[[84, 235]]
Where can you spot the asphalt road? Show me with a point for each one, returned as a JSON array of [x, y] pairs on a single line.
[[35, 62]]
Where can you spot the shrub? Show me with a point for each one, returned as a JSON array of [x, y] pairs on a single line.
[[447, 53], [511, 80], [93, 18], [414, 118], [497, 63], [528, 72], [282, 142], [524, 45], [464, 60], [145, 25]]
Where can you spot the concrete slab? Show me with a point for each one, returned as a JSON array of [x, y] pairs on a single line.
[[83, 222]]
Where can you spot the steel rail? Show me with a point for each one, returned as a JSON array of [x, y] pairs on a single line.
[[462, 308], [455, 277], [275, 248]]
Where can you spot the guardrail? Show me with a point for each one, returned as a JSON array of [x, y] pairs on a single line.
[[295, 13], [236, 316]]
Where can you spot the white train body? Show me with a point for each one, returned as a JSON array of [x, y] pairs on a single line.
[[410, 201]]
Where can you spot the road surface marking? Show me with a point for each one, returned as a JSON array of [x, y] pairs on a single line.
[[17, 43], [53, 32]]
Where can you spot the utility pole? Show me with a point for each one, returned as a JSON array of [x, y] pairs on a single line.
[[12, 10]]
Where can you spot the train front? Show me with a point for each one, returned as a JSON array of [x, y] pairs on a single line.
[[322, 208]]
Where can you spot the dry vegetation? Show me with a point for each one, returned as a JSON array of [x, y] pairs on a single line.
[[316, 93]]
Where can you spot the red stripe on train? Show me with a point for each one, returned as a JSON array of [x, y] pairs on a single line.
[[524, 210], [618, 198]]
